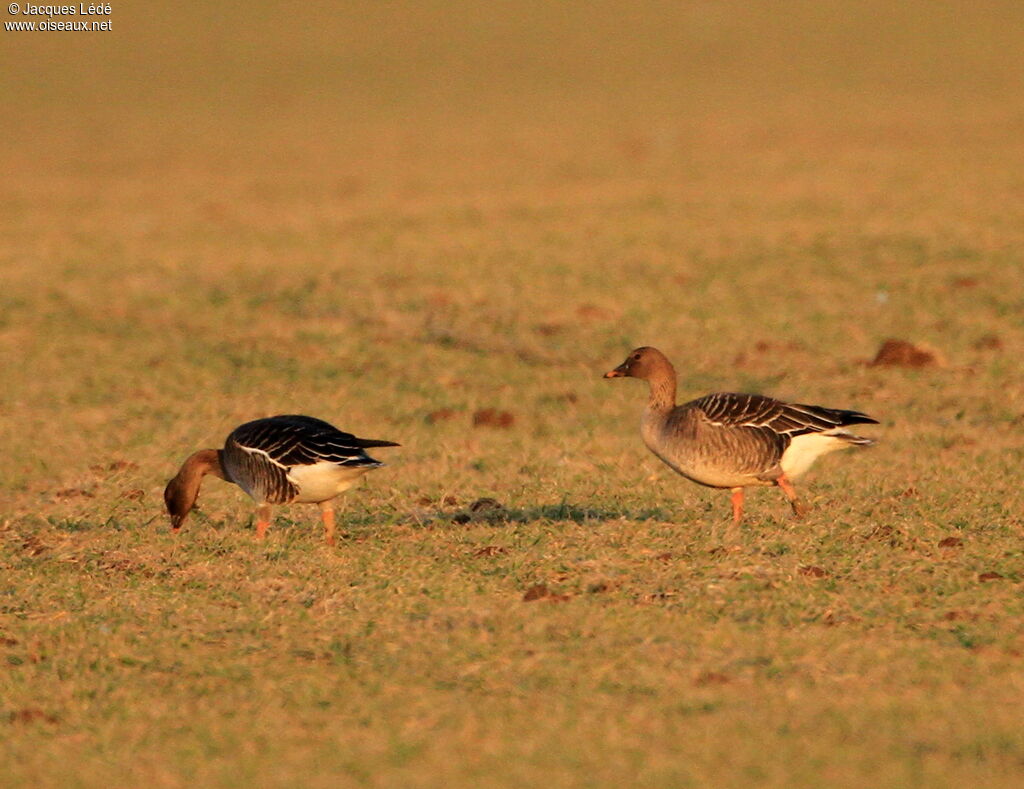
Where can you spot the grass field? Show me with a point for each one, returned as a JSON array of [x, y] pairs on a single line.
[[394, 216]]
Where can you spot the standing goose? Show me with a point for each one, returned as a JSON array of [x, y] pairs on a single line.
[[727, 440], [278, 460]]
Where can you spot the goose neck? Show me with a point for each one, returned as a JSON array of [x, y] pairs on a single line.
[[662, 391]]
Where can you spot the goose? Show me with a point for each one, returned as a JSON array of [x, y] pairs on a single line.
[[277, 460], [735, 441]]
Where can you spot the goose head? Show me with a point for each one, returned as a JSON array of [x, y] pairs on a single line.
[[645, 362], [179, 500], [182, 491]]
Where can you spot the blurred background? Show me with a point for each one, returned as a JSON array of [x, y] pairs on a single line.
[[233, 197], [505, 94]]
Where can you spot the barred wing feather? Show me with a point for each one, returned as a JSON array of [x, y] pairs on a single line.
[[302, 441], [727, 409]]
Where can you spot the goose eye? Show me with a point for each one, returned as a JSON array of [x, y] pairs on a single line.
[[636, 357]]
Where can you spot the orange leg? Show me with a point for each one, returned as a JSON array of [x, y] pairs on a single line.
[[737, 506], [262, 521], [327, 511], [799, 508]]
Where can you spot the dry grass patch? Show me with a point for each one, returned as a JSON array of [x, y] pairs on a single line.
[[449, 251]]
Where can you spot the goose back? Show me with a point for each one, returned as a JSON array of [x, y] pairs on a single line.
[[293, 458]]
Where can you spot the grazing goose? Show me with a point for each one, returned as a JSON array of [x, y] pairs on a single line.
[[727, 440], [278, 460]]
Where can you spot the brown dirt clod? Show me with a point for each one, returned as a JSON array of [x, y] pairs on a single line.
[[541, 592], [711, 678], [74, 493], [490, 417], [988, 342], [901, 353], [536, 592], [31, 715]]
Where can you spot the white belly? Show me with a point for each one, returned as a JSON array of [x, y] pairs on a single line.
[[324, 481]]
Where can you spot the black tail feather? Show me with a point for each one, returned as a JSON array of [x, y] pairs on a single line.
[[366, 443], [855, 418]]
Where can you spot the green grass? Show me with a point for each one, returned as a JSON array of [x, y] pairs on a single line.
[[344, 219]]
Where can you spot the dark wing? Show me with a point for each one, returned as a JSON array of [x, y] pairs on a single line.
[[294, 440], [257, 473], [785, 419]]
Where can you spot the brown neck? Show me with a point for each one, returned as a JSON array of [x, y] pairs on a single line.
[[201, 463], [662, 380], [182, 491]]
